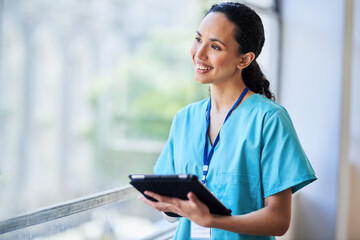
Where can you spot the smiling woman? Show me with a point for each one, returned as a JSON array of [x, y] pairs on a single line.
[[252, 159]]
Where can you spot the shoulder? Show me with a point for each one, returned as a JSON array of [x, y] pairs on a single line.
[[273, 117], [265, 108], [189, 119], [192, 111]]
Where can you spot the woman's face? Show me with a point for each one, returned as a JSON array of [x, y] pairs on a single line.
[[215, 50]]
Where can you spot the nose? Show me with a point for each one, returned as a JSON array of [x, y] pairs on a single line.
[[201, 52]]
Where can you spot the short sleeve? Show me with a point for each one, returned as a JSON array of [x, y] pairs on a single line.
[[165, 162], [283, 161]]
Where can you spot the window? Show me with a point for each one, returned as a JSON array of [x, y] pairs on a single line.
[[88, 90]]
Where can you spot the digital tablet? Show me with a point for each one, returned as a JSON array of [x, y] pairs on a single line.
[[178, 186]]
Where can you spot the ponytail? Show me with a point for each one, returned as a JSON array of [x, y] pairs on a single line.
[[256, 81]]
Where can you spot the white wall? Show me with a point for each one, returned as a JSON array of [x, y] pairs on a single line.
[[310, 89]]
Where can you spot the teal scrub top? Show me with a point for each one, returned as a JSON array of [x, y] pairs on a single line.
[[258, 155]]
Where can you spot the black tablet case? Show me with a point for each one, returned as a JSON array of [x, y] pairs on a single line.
[[178, 186]]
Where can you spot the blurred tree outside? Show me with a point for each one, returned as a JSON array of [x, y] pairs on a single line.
[[158, 82], [88, 90]]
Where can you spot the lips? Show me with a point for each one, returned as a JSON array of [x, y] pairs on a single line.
[[203, 68]]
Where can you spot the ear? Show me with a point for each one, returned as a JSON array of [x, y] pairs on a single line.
[[245, 60]]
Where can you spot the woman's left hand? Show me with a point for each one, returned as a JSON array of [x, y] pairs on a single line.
[[192, 209]]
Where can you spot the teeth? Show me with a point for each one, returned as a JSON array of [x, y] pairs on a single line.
[[202, 67]]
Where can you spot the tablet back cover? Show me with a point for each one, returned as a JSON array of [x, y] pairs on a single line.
[[178, 186]]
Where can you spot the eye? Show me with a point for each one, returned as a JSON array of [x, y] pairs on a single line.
[[216, 47], [197, 39]]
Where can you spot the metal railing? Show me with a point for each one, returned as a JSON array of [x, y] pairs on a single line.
[[76, 206], [68, 208]]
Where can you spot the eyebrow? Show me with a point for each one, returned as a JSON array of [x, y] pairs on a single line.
[[212, 39]]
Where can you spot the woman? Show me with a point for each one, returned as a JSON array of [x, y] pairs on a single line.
[[239, 142]]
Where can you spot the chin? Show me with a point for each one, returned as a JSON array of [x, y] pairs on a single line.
[[203, 80]]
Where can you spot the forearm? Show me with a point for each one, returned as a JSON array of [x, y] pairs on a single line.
[[272, 220], [262, 222]]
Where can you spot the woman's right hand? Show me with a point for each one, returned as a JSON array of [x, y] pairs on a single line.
[[192, 209]]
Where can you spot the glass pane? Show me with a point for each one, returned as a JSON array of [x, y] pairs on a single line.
[[88, 91], [128, 220]]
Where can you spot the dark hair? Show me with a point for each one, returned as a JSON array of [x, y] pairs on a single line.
[[250, 35]]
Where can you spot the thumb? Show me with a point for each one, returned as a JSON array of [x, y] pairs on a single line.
[[192, 197]]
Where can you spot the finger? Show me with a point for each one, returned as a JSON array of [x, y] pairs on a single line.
[[160, 206], [157, 205], [193, 198], [195, 201], [145, 200], [158, 197], [151, 194]]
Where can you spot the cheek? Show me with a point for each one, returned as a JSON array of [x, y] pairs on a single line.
[[223, 61], [193, 51], [219, 61]]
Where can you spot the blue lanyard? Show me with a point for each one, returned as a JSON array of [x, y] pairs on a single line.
[[207, 158]]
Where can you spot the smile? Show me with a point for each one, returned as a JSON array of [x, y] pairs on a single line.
[[203, 68]]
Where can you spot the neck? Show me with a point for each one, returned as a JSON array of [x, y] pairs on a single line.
[[224, 97]]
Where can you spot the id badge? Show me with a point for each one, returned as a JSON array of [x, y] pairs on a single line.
[[200, 232]]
